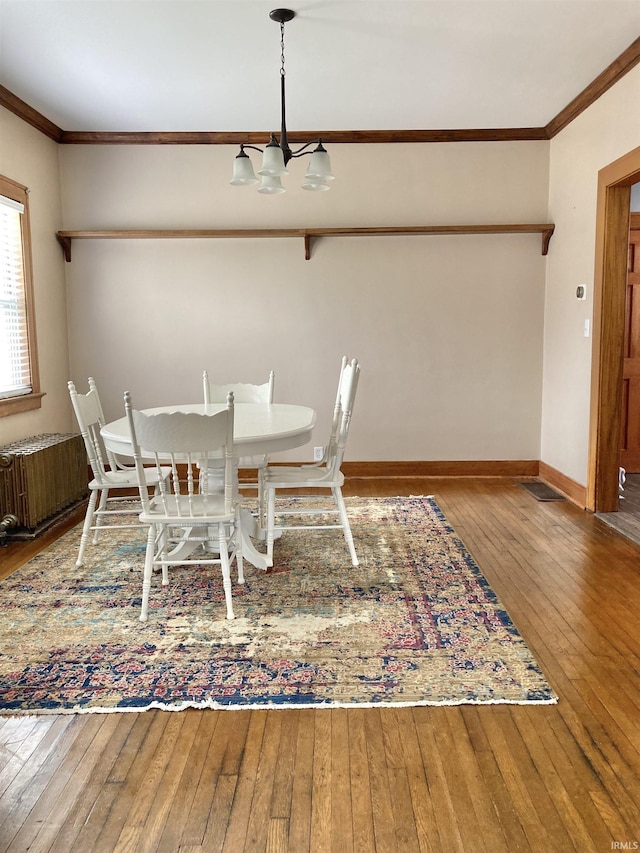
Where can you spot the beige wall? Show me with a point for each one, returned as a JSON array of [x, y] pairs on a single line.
[[604, 132], [448, 329], [29, 157]]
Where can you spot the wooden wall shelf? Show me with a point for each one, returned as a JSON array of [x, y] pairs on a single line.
[[307, 234]]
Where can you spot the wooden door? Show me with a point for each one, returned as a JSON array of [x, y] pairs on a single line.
[[630, 438]]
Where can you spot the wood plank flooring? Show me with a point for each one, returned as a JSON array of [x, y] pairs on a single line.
[[377, 780]]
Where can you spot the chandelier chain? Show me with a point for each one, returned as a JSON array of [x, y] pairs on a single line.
[[282, 72]]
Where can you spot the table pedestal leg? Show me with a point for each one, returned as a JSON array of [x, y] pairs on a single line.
[[249, 527]]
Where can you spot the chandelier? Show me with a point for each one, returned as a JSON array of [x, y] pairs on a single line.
[[277, 155]]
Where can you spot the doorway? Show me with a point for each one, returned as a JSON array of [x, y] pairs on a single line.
[[630, 405], [610, 283], [627, 519]]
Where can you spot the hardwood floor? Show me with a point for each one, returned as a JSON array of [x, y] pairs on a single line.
[[466, 778]]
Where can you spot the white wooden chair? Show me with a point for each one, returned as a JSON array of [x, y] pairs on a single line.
[[108, 476], [323, 475], [244, 393], [189, 522]]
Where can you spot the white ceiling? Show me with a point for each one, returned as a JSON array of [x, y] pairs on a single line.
[[214, 65]]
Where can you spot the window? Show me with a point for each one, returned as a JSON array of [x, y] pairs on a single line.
[[19, 382]]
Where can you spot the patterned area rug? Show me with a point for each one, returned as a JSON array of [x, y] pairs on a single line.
[[415, 624]]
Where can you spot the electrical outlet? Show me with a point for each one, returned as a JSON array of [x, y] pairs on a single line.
[[318, 453]]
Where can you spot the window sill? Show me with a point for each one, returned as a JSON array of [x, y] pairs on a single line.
[[15, 405]]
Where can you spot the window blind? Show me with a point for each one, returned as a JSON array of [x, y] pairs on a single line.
[[15, 367]]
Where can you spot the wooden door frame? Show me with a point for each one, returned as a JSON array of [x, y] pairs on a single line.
[[609, 291]]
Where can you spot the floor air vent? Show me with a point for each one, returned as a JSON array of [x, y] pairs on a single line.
[[542, 492]]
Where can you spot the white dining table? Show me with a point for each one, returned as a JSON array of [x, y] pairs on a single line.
[[259, 428]]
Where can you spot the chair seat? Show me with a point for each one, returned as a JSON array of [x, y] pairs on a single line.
[[258, 461], [283, 477], [252, 461], [122, 479], [206, 509]]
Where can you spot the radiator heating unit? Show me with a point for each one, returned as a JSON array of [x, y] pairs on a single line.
[[40, 477]]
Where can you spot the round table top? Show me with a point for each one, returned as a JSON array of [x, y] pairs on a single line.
[[258, 427]]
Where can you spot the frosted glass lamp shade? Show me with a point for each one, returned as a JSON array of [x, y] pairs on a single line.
[[315, 184], [273, 161], [319, 166], [271, 185], [243, 174]]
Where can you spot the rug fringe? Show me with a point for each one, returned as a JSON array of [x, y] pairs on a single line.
[[274, 706]]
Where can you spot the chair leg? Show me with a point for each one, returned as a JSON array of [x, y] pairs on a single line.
[[346, 527], [261, 501], [226, 569], [148, 570], [271, 520], [86, 527], [161, 550], [238, 540], [104, 494]]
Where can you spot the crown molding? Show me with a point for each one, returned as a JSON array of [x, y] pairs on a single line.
[[604, 81], [627, 60], [20, 108], [300, 137]]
